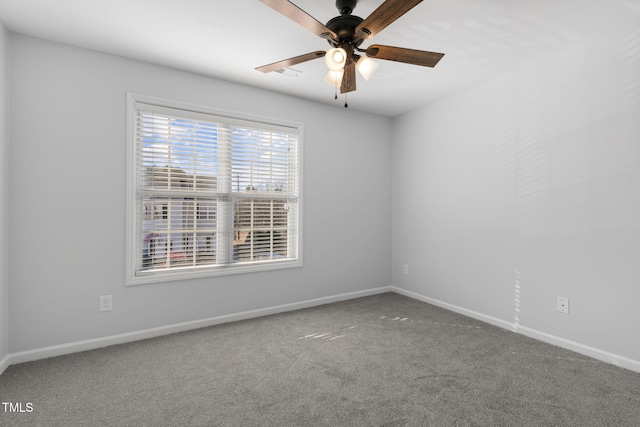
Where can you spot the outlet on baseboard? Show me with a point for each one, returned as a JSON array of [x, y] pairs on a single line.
[[563, 305], [106, 303], [405, 269]]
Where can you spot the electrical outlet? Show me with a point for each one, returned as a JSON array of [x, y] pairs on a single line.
[[106, 303], [405, 269], [563, 305]]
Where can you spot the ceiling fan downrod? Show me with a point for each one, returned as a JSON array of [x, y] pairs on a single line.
[[345, 7]]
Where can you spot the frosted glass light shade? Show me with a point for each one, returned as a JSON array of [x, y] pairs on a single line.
[[366, 67], [334, 78], [335, 58]]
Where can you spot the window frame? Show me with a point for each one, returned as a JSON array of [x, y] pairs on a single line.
[[135, 205]]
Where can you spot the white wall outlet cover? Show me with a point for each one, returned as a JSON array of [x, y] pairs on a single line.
[[106, 303], [563, 305]]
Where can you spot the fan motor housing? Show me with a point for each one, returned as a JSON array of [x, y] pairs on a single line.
[[344, 26]]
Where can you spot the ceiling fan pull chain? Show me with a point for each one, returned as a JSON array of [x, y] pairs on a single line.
[[345, 101]]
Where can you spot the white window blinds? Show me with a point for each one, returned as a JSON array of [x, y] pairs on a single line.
[[212, 194]]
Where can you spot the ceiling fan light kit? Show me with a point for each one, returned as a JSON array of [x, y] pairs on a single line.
[[366, 67], [335, 58], [345, 33], [334, 77]]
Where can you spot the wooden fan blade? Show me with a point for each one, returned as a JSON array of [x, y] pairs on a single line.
[[298, 15], [349, 78], [401, 54], [384, 15], [291, 61]]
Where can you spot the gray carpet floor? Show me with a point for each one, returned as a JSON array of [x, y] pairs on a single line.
[[385, 360]]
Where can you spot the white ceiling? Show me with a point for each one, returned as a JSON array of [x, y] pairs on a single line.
[[228, 39]]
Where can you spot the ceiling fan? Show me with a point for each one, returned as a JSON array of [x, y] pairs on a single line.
[[345, 34]]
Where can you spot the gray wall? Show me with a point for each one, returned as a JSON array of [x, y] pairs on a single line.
[[526, 188], [4, 275], [501, 198], [67, 199]]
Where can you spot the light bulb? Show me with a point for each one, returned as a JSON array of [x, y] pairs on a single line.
[[335, 58]]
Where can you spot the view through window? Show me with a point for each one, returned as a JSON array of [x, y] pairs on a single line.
[[212, 194]]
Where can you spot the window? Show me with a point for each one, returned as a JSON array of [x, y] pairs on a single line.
[[209, 193]]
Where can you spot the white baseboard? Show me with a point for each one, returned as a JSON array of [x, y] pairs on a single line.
[[91, 344], [74, 347], [602, 355], [469, 313], [4, 363]]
